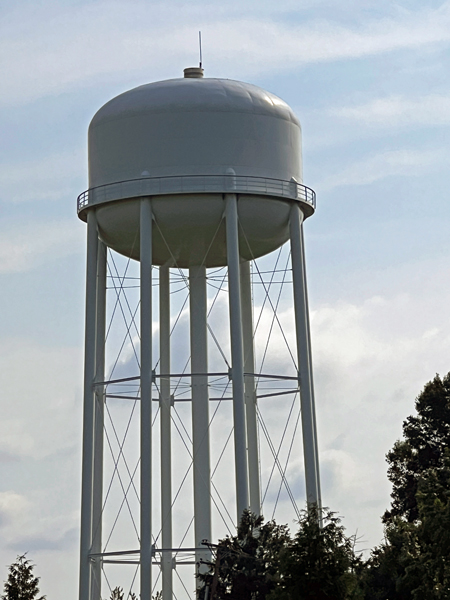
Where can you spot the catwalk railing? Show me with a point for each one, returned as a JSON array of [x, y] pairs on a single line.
[[202, 184]]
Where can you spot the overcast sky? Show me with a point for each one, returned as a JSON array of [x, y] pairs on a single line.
[[369, 82]]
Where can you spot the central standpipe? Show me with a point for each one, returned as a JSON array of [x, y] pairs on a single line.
[[200, 409], [165, 424], [146, 397], [237, 355]]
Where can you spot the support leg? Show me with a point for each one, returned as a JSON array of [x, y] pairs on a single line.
[[146, 398], [304, 358], [88, 409], [97, 515], [250, 393], [311, 370], [200, 409], [237, 355], [166, 447]]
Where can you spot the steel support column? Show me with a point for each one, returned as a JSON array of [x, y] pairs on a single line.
[[311, 375], [200, 408], [237, 355], [250, 392], [310, 449], [87, 480], [146, 398], [165, 421], [97, 515]]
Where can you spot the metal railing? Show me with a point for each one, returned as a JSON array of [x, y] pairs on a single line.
[[189, 184]]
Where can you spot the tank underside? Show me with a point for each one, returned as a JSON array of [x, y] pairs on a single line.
[[189, 229]]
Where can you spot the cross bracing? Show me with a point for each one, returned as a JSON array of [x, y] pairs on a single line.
[[276, 384]]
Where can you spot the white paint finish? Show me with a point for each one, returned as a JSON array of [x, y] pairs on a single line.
[[304, 358], [192, 226], [166, 438], [146, 398], [311, 371], [237, 356], [194, 126], [97, 510], [87, 486], [200, 408], [250, 392], [181, 137]]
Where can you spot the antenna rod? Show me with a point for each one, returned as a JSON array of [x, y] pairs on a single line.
[[200, 47]]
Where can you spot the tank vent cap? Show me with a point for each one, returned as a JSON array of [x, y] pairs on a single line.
[[193, 72]]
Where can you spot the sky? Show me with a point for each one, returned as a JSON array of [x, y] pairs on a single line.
[[369, 82]]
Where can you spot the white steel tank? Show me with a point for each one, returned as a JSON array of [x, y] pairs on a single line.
[[185, 142]]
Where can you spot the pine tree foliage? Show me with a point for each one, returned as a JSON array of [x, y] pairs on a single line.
[[21, 583], [320, 562], [263, 562], [118, 594], [246, 565]]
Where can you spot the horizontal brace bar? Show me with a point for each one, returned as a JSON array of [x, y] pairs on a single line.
[[180, 375], [265, 376], [125, 562], [137, 562], [168, 375], [136, 378], [218, 399], [157, 399], [293, 391], [119, 553], [159, 550], [125, 397]]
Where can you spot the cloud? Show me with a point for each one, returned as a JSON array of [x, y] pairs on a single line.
[[50, 178], [371, 360], [399, 111], [53, 51], [404, 162], [40, 386], [23, 247], [12, 508], [37, 543]]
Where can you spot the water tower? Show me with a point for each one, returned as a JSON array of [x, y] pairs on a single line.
[[194, 174]]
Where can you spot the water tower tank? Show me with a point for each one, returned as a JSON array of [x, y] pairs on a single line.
[[186, 142]]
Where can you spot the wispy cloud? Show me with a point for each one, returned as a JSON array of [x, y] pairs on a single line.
[[23, 247], [369, 367], [40, 385], [36, 543], [399, 111], [45, 57], [12, 507], [51, 177], [391, 163]]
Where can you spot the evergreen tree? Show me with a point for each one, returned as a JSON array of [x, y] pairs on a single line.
[[262, 562], [246, 565], [414, 561], [118, 594], [21, 583], [426, 436], [320, 562]]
